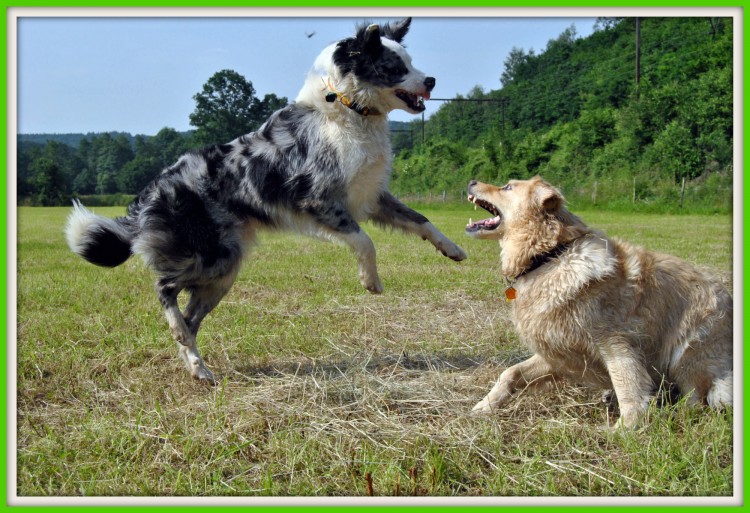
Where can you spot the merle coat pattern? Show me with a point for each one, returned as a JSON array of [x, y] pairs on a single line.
[[319, 166]]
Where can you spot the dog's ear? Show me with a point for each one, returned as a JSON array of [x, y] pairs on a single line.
[[547, 197], [370, 39], [397, 30]]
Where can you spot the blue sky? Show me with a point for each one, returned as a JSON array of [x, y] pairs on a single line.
[[139, 75]]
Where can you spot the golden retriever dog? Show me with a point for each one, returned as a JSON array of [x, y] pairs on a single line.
[[601, 312]]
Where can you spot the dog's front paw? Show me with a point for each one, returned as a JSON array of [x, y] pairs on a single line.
[[442, 243], [482, 407], [195, 365], [373, 288], [629, 420], [619, 427], [201, 373], [371, 282], [454, 252], [450, 249]]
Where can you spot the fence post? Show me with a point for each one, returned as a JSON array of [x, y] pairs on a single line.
[[593, 194], [682, 191], [634, 190]]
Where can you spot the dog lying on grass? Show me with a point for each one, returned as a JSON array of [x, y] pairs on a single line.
[[599, 311], [319, 166]]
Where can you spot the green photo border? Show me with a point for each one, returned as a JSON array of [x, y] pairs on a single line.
[[8, 300]]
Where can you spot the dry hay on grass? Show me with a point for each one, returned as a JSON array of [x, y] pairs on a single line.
[[389, 378], [395, 393], [370, 415], [394, 401]]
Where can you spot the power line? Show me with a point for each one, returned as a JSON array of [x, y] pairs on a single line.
[[504, 102], [470, 99]]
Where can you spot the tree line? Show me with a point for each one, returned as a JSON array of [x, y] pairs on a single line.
[[107, 164], [579, 113]]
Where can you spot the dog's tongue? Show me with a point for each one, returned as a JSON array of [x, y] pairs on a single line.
[[426, 95], [484, 224]]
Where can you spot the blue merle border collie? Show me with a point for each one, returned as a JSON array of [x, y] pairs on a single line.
[[319, 166]]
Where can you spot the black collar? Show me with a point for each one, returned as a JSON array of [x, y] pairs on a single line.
[[539, 260], [356, 107]]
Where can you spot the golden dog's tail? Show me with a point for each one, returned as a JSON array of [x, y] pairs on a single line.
[[721, 392]]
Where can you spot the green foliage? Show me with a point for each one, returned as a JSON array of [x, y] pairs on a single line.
[[575, 115], [153, 154], [45, 173], [103, 164], [223, 108], [70, 139], [48, 181], [227, 107], [438, 165], [514, 63], [674, 152], [107, 200], [137, 173], [466, 120]]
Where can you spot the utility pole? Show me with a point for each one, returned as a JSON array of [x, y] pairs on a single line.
[[504, 101], [637, 52], [422, 128]]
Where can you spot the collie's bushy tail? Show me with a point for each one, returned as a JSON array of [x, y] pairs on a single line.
[[100, 240]]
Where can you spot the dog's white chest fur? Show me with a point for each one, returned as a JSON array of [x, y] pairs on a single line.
[[366, 185], [365, 154]]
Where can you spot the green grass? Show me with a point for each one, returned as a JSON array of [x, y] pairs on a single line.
[[323, 386]]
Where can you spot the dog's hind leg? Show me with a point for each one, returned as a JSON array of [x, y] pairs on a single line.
[[203, 299], [168, 291], [534, 372], [701, 363], [391, 212], [183, 335]]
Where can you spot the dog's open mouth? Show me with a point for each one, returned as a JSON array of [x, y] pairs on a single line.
[[486, 225], [415, 102]]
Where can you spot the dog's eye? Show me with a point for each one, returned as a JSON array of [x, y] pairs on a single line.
[[507, 187]]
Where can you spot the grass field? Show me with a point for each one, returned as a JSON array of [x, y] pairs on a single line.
[[326, 390]]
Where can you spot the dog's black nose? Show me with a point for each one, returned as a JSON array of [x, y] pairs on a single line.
[[429, 83], [473, 183]]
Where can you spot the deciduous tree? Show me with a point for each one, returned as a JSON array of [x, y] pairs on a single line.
[[227, 107]]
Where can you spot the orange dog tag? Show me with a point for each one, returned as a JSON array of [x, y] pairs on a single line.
[[510, 294]]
